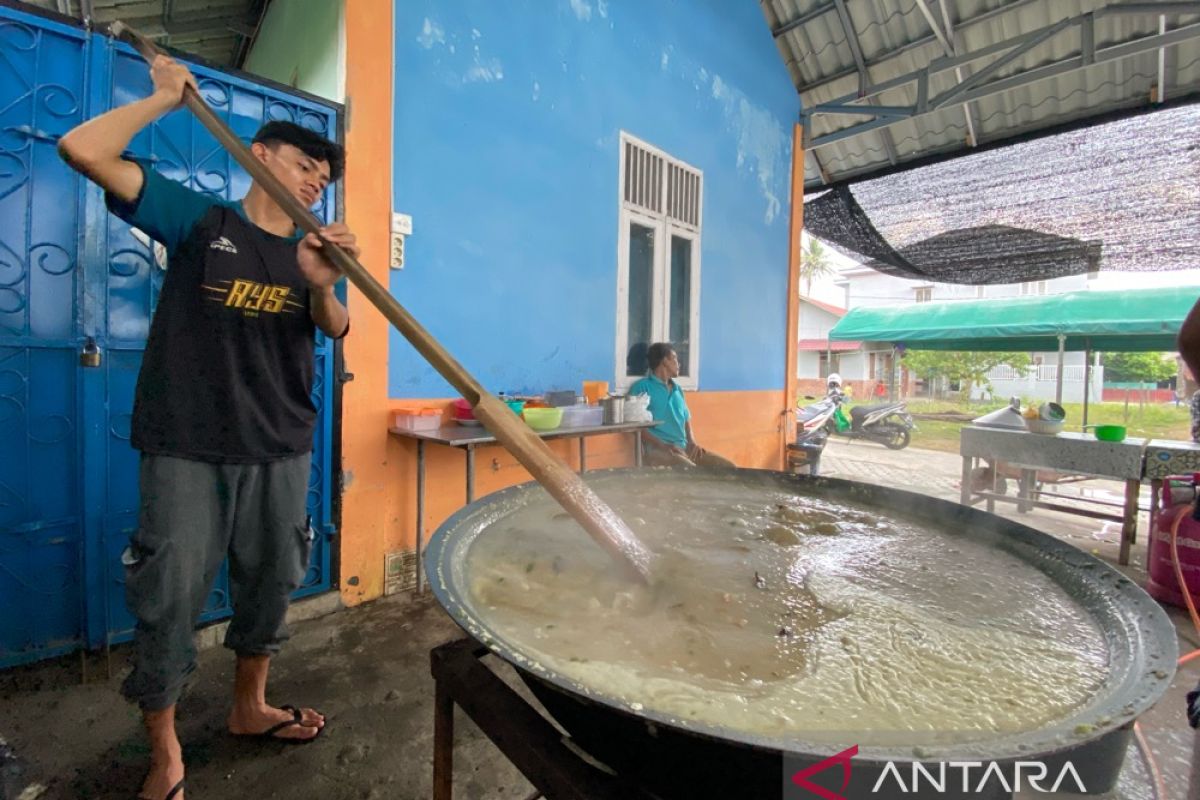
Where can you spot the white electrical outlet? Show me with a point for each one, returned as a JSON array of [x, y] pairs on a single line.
[[401, 227], [396, 259]]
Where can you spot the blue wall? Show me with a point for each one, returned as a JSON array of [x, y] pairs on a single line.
[[507, 122]]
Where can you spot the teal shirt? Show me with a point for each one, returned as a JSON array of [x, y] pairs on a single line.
[[668, 407]]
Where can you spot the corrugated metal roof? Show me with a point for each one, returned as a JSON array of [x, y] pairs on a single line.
[[215, 30], [896, 37]]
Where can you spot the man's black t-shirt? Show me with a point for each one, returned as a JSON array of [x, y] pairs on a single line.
[[228, 369]]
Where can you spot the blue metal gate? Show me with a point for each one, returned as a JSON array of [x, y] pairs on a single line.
[[72, 275]]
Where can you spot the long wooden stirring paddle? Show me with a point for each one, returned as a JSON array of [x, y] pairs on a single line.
[[609, 530]]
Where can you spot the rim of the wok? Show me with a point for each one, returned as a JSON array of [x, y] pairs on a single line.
[[1138, 677]]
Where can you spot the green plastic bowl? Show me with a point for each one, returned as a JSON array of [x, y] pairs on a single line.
[[543, 419], [517, 406], [1110, 433]]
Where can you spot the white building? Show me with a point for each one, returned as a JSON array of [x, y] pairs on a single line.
[[864, 365]]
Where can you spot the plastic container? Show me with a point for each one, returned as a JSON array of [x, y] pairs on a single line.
[[1162, 584], [517, 406], [582, 416], [1044, 426], [463, 410], [637, 408], [595, 391], [417, 419], [557, 399], [543, 419]]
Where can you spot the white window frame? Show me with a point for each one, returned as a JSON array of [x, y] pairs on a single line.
[[923, 291], [664, 228]]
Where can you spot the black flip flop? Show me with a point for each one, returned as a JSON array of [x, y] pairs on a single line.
[[269, 733], [176, 789]]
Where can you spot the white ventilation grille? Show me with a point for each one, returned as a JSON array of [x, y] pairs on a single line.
[[683, 194], [659, 184], [643, 178]]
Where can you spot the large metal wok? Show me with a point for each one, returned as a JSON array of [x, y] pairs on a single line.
[[683, 759]]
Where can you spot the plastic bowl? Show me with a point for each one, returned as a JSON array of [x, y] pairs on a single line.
[[1048, 427], [1110, 433], [543, 419], [463, 410], [1052, 412], [517, 406]]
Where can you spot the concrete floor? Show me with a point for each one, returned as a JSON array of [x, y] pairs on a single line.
[[368, 670]]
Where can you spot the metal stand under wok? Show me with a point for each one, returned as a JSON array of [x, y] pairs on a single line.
[[527, 738]]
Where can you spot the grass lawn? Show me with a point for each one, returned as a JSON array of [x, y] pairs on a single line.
[[1152, 421]]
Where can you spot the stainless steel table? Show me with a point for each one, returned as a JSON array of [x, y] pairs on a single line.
[[469, 438], [1067, 452]]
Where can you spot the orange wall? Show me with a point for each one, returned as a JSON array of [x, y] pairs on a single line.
[[369, 481], [744, 426]]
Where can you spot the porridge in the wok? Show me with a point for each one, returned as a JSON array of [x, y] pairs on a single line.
[[778, 614]]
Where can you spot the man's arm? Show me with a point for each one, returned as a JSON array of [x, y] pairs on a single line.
[[656, 443], [326, 310], [95, 147], [328, 313]]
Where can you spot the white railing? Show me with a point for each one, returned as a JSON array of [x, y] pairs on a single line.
[[1041, 383], [1049, 372]]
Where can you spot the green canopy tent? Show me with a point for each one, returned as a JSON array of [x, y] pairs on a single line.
[[1136, 320]]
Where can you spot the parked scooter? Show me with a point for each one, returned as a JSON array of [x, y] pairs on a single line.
[[811, 434], [890, 424]]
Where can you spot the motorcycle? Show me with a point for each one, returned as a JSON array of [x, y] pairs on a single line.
[[811, 434], [890, 424]]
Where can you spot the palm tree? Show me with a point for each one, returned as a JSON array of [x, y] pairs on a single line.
[[814, 263]]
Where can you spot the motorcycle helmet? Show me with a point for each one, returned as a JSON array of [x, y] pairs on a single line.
[[834, 380]]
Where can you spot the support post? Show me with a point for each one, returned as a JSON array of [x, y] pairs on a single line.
[[420, 514], [1062, 346], [1087, 382], [791, 335]]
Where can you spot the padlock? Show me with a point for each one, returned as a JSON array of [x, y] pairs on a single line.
[[90, 355]]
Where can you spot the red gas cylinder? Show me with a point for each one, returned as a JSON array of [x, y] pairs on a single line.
[[1163, 585]]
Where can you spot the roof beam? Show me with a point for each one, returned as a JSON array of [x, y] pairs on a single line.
[[1151, 8], [1111, 53], [947, 40], [1160, 90], [1116, 52], [803, 19], [1085, 21], [916, 43], [889, 145], [870, 110], [855, 47], [935, 27], [979, 77], [1123, 8], [968, 112]]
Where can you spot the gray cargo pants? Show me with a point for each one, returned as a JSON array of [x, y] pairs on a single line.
[[193, 515]]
